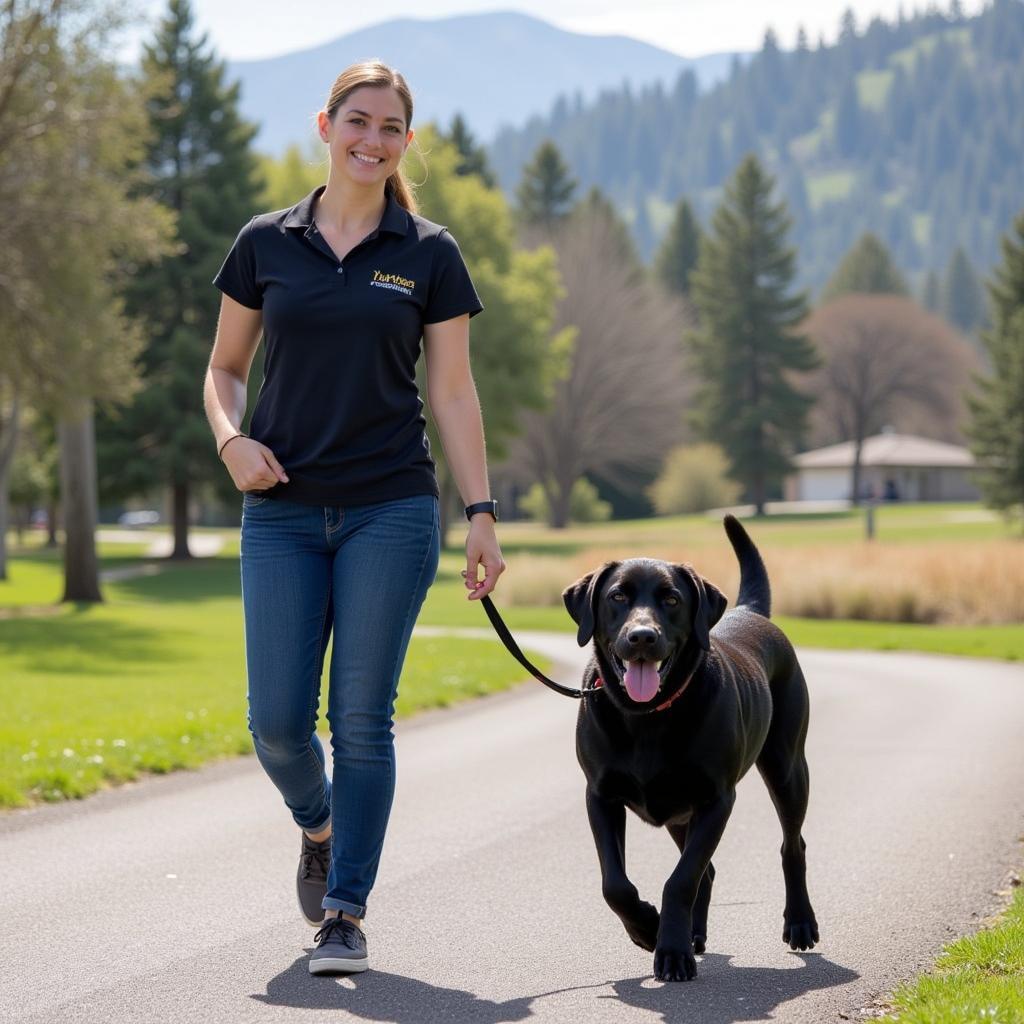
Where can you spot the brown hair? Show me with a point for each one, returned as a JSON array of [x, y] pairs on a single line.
[[375, 74]]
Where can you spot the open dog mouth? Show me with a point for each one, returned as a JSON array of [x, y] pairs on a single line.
[[642, 679]]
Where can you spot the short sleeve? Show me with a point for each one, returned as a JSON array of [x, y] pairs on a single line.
[[237, 276], [451, 290]]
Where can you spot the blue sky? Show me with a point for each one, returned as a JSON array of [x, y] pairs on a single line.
[[240, 29]]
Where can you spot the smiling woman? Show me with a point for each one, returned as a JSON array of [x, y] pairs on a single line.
[[340, 532]]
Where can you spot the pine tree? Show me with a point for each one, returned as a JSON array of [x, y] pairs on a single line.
[[473, 158], [545, 190], [678, 254], [963, 302], [848, 118], [200, 165], [996, 429], [596, 205], [746, 346], [866, 268]]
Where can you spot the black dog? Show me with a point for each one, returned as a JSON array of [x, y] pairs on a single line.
[[680, 715]]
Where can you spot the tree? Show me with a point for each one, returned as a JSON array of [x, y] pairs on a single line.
[[678, 254], [997, 411], [963, 302], [72, 228], [515, 353], [616, 409], [199, 163], [292, 175], [882, 354], [545, 189], [848, 121], [472, 158], [747, 345], [595, 205], [932, 295], [867, 268]]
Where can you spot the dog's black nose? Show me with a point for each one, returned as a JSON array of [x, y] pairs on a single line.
[[640, 637]]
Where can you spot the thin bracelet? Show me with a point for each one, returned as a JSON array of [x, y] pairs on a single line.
[[231, 438]]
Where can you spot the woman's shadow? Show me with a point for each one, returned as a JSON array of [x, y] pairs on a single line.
[[721, 994]]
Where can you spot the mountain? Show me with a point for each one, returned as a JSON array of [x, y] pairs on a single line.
[[494, 69], [910, 129]]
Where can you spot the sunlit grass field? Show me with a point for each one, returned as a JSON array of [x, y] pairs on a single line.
[[154, 679]]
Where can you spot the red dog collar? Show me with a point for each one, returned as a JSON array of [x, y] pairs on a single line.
[[599, 682]]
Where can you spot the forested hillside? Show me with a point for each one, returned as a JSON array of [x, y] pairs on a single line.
[[913, 130]]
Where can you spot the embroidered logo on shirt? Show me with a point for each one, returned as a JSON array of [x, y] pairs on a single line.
[[393, 281]]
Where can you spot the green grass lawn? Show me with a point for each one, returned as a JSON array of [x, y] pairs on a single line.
[[979, 978], [154, 679]]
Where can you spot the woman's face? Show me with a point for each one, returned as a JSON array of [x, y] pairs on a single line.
[[367, 135]]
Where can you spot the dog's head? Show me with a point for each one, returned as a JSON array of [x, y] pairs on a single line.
[[650, 622]]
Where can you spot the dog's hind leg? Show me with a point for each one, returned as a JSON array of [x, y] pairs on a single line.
[[608, 823], [784, 769], [703, 900]]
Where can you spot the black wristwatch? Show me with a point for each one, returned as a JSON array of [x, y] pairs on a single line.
[[482, 506]]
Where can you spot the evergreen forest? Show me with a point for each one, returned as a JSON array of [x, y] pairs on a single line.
[[911, 129]]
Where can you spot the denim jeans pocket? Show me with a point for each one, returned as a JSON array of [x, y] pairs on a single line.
[[253, 499]]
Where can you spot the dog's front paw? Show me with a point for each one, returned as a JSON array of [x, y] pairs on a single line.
[[674, 965], [699, 943], [642, 927], [800, 934]]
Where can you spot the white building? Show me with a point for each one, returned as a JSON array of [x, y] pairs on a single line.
[[894, 466]]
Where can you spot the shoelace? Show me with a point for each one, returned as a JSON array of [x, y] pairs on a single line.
[[315, 854], [349, 937]]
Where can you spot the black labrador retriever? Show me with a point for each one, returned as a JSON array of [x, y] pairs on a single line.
[[681, 714]]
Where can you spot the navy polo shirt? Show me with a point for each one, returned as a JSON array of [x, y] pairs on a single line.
[[338, 404]]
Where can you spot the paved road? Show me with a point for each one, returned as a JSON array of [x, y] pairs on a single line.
[[171, 900]]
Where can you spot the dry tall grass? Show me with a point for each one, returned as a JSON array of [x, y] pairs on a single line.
[[980, 583]]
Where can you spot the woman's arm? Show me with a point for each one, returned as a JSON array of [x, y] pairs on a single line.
[[456, 409], [252, 465]]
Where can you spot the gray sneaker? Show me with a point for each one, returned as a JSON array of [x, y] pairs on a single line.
[[311, 880], [341, 947]]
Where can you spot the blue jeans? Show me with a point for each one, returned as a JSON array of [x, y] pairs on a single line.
[[363, 572]]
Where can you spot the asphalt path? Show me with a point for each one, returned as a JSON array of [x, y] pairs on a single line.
[[172, 899]]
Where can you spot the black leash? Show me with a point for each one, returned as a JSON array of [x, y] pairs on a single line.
[[513, 648]]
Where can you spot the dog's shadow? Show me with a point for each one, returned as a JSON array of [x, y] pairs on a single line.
[[725, 994], [721, 994]]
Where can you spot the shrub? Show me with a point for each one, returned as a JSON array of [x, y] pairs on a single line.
[[584, 504], [693, 480]]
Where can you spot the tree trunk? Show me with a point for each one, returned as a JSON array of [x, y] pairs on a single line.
[[858, 446], [9, 434], [51, 523], [77, 440], [560, 503], [179, 495], [759, 494]]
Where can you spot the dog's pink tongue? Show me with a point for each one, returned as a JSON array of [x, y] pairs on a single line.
[[641, 680]]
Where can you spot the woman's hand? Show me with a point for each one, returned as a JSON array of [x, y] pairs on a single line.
[[482, 549], [252, 465]]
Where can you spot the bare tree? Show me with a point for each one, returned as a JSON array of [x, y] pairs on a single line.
[[619, 406], [886, 361]]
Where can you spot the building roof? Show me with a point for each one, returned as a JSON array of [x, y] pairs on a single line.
[[903, 450]]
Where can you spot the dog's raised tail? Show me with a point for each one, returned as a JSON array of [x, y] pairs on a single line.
[[755, 591]]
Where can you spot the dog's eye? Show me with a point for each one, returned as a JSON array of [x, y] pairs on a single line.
[[671, 600], [617, 595]]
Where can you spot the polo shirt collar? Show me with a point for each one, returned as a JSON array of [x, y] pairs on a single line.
[[395, 218]]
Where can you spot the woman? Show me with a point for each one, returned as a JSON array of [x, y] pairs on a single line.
[[340, 500]]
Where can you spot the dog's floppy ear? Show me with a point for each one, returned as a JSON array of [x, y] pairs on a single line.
[[581, 600], [709, 604]]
